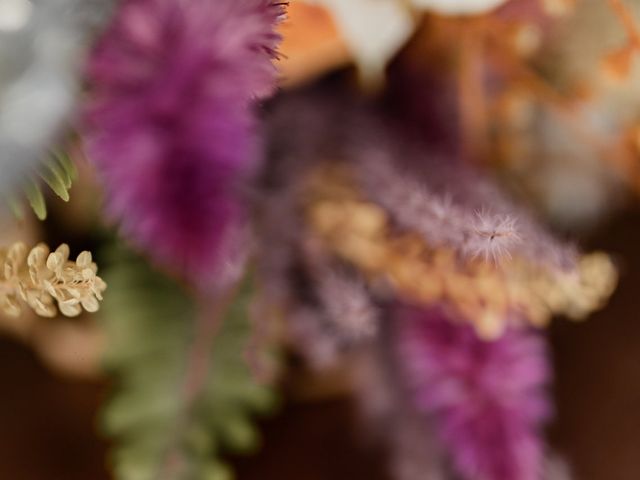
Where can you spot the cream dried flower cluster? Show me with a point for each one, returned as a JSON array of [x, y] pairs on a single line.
[[48, 281]]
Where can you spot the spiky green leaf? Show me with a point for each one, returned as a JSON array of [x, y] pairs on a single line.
[[36, 199]]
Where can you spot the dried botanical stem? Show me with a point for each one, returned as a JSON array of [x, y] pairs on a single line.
[[207, 325]]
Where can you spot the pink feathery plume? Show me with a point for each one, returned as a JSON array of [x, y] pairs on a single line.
[[452, 205], [170, 122], [487, 399]]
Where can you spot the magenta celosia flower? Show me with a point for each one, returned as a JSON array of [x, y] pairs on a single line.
[[487, 399], [171, 127]]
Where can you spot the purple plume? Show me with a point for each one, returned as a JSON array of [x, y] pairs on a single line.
[[448, 202], [171, 127], [487, 399], [452, 205]]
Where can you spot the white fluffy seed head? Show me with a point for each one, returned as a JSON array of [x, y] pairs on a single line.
[[493, 237]]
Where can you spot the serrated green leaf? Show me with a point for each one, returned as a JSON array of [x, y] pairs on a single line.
[[150, 327]]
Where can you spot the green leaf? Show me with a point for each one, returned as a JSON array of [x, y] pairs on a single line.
[[67, 166], [57, 179], [150, 324], [36, 200], [58, 172]]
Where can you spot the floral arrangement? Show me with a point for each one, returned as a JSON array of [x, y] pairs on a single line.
[[328, 179]]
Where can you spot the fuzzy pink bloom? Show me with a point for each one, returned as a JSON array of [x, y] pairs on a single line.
[[486, 399], [454, 206], [171, 127]]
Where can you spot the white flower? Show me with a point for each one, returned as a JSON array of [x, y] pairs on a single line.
[[374, 31], [458, 7]]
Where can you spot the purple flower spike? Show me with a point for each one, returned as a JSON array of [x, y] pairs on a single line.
[[487, 399], [171, 127]]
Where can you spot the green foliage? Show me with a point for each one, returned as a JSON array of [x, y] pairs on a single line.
[[58, 172], [150, 326]]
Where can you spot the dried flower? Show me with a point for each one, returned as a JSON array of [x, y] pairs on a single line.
[[456, 207], [487, 399], [494, 236], [480, 292], [422, 227], [41, 279], [171, 126], [347, 304]]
